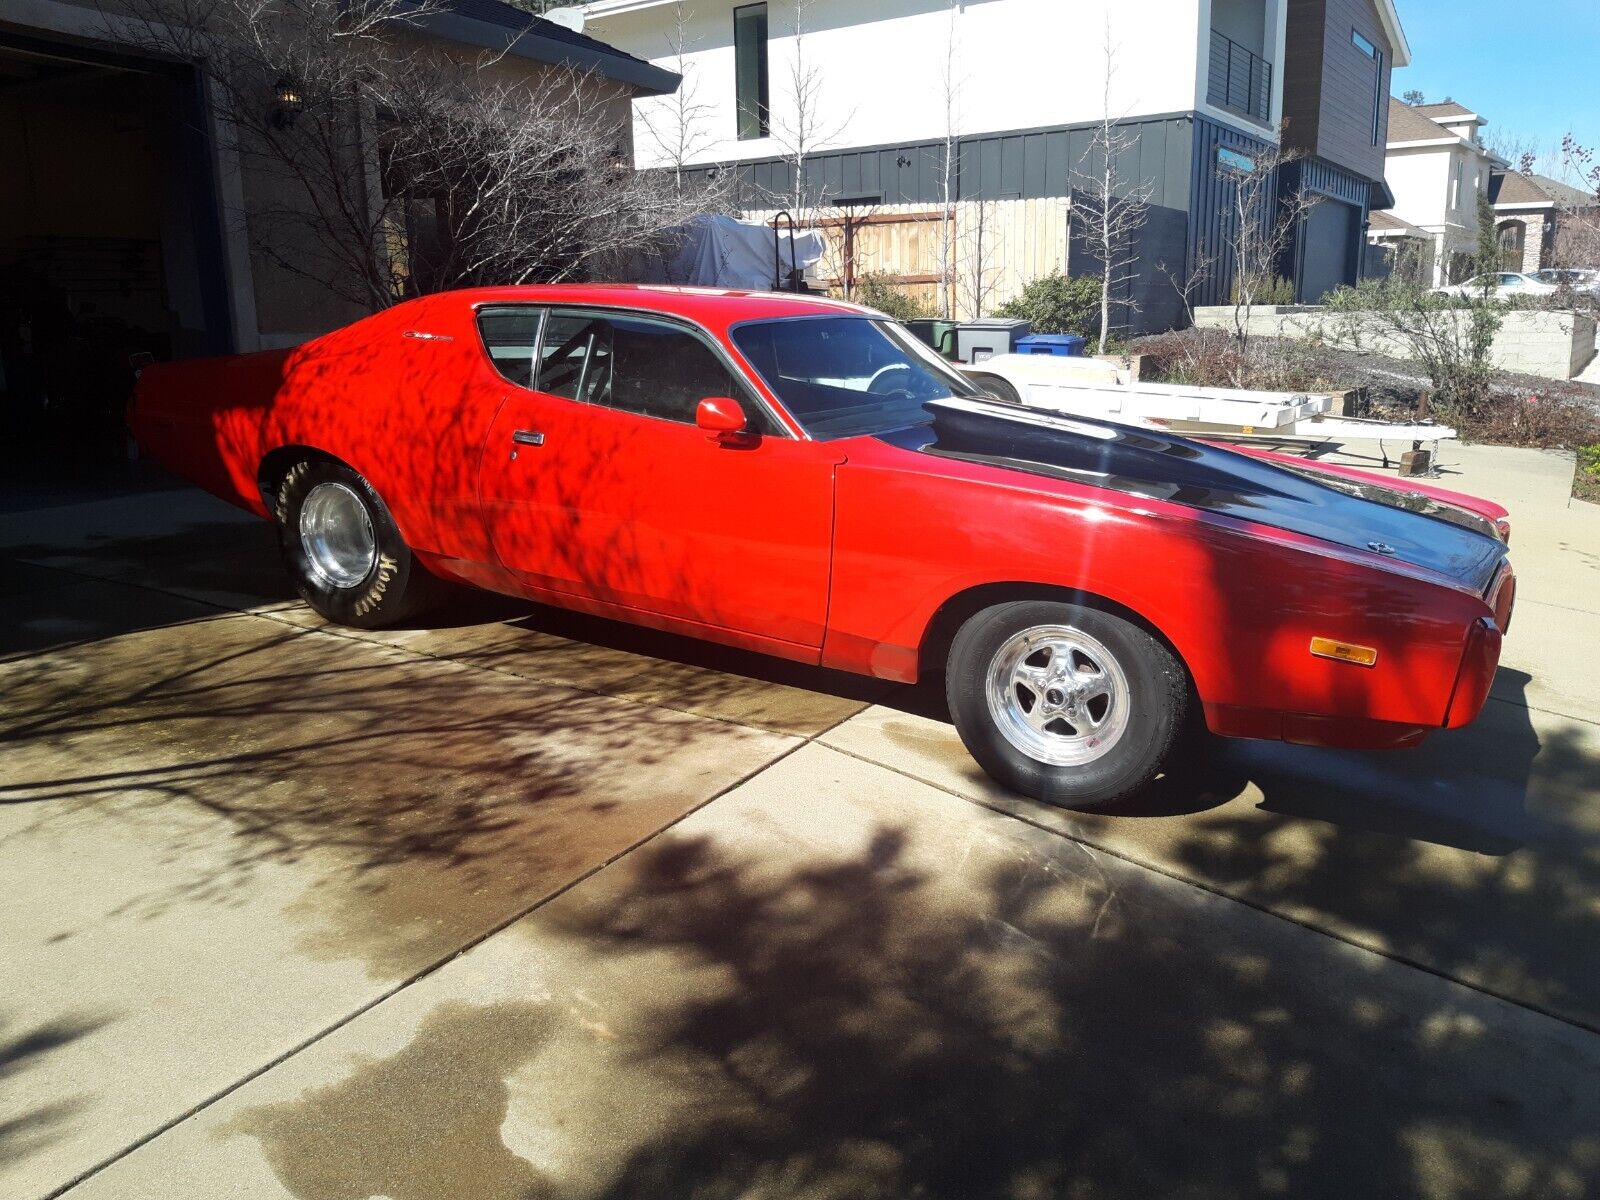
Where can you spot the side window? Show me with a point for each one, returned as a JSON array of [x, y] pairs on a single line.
[[574, 356], [511, 338], [750, 76], [662, 370]]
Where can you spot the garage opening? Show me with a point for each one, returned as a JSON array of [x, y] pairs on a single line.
[[110, 250], [1330, 240]]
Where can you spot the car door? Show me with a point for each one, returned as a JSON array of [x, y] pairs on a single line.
[[597, 482]]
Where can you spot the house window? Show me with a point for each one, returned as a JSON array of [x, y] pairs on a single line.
[[1380, 98], [750, 70], [1455, 184]]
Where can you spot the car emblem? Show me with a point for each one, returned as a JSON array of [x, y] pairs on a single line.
[[1380, 547]]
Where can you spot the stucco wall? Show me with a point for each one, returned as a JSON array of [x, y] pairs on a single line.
[[1019, 64]]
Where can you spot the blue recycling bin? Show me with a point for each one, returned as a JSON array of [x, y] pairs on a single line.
[[1062, 345]]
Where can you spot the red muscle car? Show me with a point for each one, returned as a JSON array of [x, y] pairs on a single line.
[[802, 477]]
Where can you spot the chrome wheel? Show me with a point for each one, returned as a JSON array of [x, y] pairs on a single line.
[[1058, 695], [336, 533]]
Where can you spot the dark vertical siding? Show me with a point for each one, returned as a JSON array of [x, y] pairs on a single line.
[[1322, 239], [1025, 165], [1211, 212]]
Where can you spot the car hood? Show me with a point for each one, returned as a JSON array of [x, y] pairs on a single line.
[[1152, 463]]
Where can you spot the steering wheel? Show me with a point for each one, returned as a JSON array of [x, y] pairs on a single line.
[[883, 381]]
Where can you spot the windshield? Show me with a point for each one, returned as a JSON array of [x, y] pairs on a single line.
[[844, 376]]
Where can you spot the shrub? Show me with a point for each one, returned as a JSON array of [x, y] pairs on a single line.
[[1054, 303], [1552, 420], [1211, 358], [877, 290], [1450, 338], [1269, 289], [1587, 486]]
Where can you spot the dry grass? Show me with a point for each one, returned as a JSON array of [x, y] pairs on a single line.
[[1211, 358]]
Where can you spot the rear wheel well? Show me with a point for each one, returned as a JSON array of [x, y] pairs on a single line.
[[960, 608], [276, 466]]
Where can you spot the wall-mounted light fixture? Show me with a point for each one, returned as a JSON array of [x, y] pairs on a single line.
[[903, 161], [288, 102]]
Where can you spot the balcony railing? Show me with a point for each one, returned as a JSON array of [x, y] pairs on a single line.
[[1240, 80]]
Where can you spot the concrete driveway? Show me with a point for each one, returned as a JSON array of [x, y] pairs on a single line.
[[528, 905]]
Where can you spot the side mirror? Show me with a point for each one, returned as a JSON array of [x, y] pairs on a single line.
[[719, 415]]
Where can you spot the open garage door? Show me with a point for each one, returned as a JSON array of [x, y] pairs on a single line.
[[110, 246]]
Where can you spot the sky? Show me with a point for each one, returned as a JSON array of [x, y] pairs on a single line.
[[1529, 68]]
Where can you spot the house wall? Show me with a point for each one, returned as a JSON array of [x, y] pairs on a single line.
[[1182, 245], [1420, 181], [1350, 87], [1019, 178], [1244, 21], [1018, 64]]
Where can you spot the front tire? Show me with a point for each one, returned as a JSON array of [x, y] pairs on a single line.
[[996, 388], [343, 549], [1064, 703]]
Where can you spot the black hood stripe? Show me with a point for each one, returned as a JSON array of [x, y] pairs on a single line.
[[1165, 466]]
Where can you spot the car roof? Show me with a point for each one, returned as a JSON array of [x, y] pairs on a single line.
[[715, 307]]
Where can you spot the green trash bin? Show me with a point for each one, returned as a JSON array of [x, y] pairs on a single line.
[[939, 334]]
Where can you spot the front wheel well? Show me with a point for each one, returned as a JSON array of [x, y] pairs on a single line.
[[963, 606]]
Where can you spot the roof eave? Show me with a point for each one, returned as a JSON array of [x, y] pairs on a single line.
[[644, 78], [1399, 46], [600, 9]]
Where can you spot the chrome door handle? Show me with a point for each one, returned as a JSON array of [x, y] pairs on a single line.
[[527, 437]]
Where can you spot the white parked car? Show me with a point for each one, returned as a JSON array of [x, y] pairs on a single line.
[[1505, 285], [1579, 280]]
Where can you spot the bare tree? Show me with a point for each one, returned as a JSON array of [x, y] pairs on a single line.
[[1262, 227], [802, 124], [679, 126], [950, 92], [1524, 153], [1111, 208], [1578, 221], [394, 163], [979, 272]]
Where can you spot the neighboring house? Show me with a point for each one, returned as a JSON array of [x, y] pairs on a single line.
[[1203, 87], [1438, 169], [120, 200], [1395, 246], [1531, 212], [1338, 64]]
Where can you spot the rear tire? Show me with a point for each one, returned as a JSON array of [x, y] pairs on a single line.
[[1067, 704], [344, 551]]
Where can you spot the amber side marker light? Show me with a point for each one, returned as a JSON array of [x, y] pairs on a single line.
[[1362, 656]]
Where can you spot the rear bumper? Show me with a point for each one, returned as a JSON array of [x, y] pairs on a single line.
[[1311, 729], [1479, 661]]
